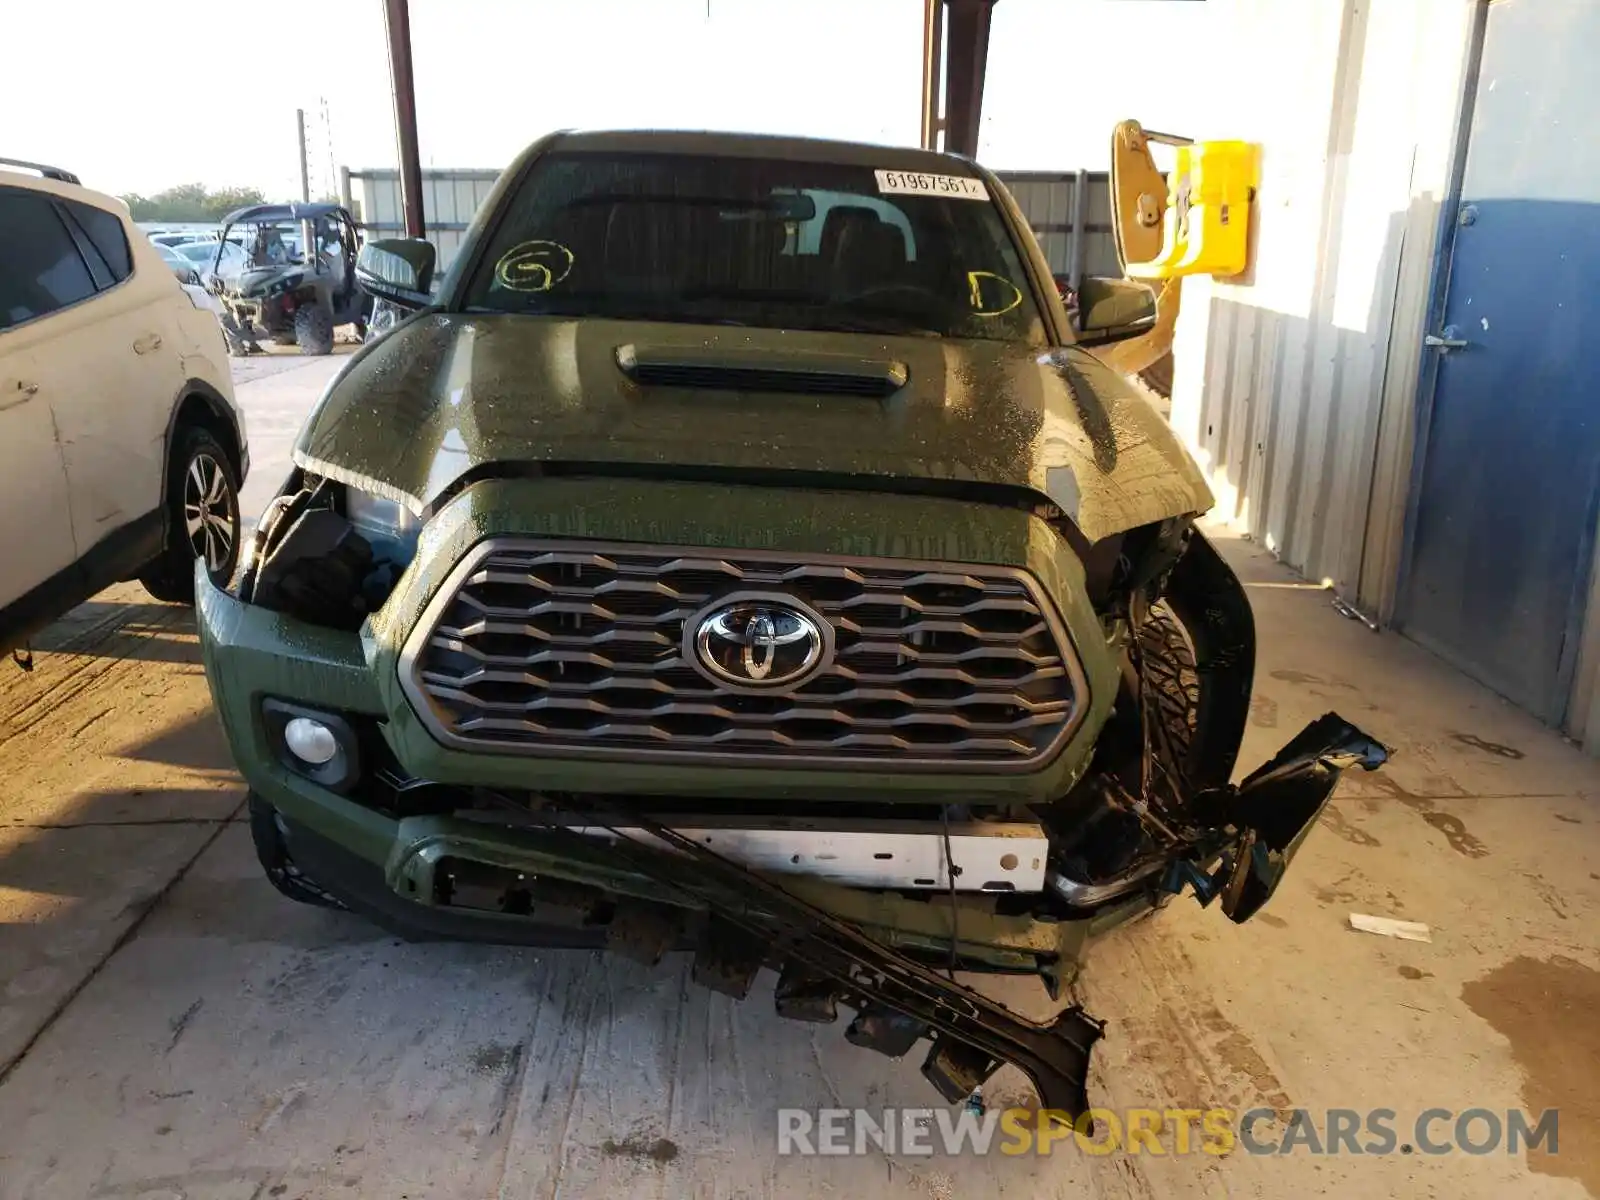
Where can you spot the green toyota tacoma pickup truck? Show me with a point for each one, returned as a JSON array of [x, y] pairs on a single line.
[[738, 552]]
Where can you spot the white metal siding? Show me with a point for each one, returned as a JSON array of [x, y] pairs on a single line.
[[1296, 387]]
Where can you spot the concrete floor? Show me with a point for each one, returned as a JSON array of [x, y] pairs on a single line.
[[170, 1028]]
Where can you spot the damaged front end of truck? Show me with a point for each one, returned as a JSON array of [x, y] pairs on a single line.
[[360, 693], [701, 571]]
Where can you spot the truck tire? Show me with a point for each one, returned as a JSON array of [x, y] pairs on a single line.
[[1169, 670], [313, 329], [202, 517]]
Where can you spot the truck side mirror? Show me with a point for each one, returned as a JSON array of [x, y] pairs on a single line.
[[1113, 310], [399, 270]]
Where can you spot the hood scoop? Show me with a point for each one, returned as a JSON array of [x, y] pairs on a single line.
[[804, 372]]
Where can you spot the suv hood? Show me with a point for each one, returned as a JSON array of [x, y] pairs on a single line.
[[448, 394]]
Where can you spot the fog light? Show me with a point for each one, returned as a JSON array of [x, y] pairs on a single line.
[[310, 741], [319, 746]]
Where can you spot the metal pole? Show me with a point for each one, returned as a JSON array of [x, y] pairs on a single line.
[[1080, 188], [305, 167], [966, 56], [397, 21], [932, 60]]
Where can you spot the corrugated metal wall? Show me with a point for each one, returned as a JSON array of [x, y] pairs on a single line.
[[1296, 386], [449, 200], [1049, 199], [1074, 230]]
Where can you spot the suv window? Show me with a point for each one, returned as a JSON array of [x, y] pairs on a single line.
[[105, 234], [750, 241], [40, 267]]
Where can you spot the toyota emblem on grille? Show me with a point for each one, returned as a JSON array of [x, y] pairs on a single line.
[[756, 641]]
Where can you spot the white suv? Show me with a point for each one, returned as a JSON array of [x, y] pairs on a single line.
[[121, 447]]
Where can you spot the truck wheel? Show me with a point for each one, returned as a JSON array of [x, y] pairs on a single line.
[[313, 329], [202, 517], [1169, 670], [275, 861]]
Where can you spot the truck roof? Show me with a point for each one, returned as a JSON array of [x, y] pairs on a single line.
[[758, 145]]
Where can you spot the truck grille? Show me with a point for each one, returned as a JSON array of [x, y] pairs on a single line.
[[571, 648]]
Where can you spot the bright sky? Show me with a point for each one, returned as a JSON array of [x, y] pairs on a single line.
[[182, 90]]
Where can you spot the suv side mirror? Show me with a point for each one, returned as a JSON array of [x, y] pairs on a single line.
[[1113, 310], [399, 270]]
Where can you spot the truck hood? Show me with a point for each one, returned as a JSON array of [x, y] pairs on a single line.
[[449, 394]]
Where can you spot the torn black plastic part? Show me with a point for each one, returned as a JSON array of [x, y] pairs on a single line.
[[956, 1069], [729, 959], [870, 975], [1275, 808], [643, 932], [886, 1030], [291, 500], [1279, 803], [802, 995], [315, 571]]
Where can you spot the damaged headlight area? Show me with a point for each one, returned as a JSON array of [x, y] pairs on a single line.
[[326, 553]]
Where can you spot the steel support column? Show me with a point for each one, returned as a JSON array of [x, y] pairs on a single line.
[[932, 68], [397, 22], [966, 56]]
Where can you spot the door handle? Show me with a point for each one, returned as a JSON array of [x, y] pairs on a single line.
[[1445, 340], [150, 341]]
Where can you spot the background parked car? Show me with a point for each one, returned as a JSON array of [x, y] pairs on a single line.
[[189, 277], [228, 262], [181, 266]]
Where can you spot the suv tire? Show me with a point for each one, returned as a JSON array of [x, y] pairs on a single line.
[[313, 329], [202, 517], [275, 861]]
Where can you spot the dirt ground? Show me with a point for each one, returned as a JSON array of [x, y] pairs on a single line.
[[170, 1028]]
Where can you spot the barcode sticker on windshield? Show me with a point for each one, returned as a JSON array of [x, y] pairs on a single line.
[[915, 183]]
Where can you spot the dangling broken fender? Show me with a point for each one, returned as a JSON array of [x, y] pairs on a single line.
[[1278, 804]]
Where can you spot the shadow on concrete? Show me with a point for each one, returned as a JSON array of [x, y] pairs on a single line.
[[198, 744], [105, 628]]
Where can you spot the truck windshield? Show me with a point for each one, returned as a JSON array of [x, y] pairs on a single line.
[[747, 241]]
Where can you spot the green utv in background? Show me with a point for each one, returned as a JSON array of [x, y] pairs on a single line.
[[742, 554]]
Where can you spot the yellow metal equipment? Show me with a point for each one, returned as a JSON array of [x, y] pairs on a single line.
[[1196, 223]]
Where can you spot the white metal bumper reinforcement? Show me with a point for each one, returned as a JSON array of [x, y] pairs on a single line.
[[989, 856]]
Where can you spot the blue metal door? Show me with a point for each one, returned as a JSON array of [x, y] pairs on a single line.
[[1504, 501]]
